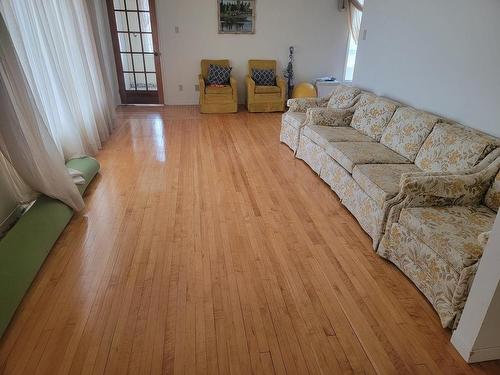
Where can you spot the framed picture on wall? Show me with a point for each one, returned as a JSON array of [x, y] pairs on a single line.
[[236, 16]]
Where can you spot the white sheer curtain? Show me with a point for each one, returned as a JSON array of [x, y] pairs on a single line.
[[355, 16], [56, 48], [25, 139], [16, 189], [98, 15]]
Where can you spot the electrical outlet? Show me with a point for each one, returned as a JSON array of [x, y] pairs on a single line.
[[176, 29], [181, 88], [196, 87]]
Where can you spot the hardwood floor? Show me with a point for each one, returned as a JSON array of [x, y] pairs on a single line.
[[206, 248]]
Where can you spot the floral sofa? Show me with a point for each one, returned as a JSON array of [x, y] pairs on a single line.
[[336, 110], [365, 147], [436, 234]]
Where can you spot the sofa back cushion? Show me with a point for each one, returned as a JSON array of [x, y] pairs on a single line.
[[344, 97], [261, 64], [372, 115], [366, 97], [492, 198], [407, 130], [451, 148]]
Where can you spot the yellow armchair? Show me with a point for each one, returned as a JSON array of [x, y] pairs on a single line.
[[265, 98], [217, 99]]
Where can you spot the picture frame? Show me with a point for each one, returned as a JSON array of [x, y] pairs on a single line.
[[236, 16]]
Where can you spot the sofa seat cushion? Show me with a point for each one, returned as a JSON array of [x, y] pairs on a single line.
[[344, 97], [219, 90], [451, 232], [267, 90], [218, 99], [322, 135], [294, 119], [452, 148], [381, 181], [407, 130], [372, 115], [349, 154]]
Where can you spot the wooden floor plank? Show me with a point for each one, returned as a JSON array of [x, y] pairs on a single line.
[[205, 247]]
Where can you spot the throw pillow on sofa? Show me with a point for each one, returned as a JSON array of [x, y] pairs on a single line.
[[344, 97], [218, 74], [264, 77]]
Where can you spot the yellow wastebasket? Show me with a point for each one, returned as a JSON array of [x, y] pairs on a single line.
[[304, 90]]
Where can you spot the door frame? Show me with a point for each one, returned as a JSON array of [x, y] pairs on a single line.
[[141, 98]]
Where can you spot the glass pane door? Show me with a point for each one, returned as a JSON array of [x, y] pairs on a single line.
[[133, 25]]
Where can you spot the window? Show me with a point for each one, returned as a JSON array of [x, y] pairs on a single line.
[[355, 15], [352, 48]]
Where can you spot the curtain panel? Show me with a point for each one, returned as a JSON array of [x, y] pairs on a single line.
[[56, 48], [25, 139], [355, 14], [54, 102]]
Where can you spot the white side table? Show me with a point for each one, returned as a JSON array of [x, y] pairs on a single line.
[[325, 88]]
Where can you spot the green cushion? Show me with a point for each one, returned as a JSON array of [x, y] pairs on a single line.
[[88, 166], [25, 247]]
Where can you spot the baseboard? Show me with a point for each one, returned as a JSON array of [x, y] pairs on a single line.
[[474, 356], [486, 354]]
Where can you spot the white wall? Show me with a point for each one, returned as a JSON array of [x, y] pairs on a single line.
[[477, 337], [316, 29], [442, 56]]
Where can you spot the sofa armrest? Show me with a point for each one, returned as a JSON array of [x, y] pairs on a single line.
[[483, 238], [328, 117], [406, 195], [446, 189], [234, 86], [302, 104], [457, 188], [431, 191], [450, 189], [250, 83], [201, 82], [281, 83], [483, 164]]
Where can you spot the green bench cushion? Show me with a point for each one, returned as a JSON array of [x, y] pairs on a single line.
[[88, 166], [25, 247]]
